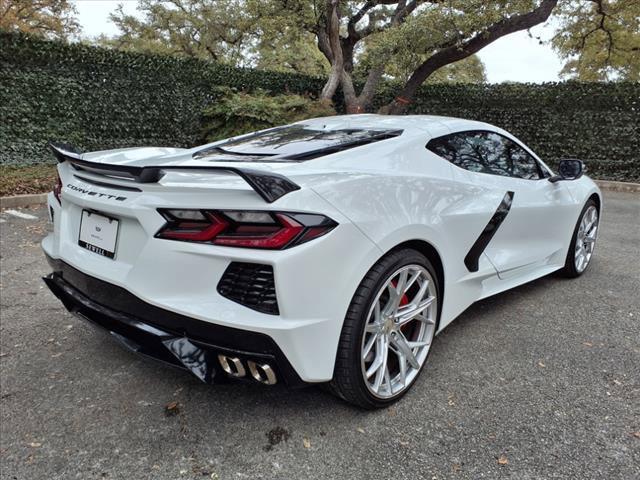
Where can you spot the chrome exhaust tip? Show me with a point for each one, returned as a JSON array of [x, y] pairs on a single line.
[[262, 372], [232, 366]]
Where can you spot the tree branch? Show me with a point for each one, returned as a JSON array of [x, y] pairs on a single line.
[[467, 48]]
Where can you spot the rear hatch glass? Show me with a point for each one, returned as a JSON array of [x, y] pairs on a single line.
[[292, 143]]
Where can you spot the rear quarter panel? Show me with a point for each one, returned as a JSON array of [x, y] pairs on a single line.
[[413, 196]]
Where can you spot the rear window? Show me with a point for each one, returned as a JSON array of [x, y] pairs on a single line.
[[293, 143]]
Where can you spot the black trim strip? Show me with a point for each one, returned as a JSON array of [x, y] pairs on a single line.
[[270, 186], [107, 185], [473, 257], [320, 152]]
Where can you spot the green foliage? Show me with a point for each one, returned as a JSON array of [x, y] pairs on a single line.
[[217, 30], [100, 99], [432, 27], [237, 32], [600, 40], [234, 113], [469, 70], [289, 50], [45, 18]]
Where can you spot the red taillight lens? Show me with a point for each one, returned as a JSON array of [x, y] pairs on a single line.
[[57, 189], [249, 229], [196, 229]]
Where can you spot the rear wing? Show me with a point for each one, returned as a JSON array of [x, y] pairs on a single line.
[[270, 186]]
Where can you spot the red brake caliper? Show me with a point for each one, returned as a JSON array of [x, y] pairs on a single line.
[[403, 301]]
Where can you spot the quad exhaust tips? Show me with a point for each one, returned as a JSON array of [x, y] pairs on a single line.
[[261, 372]]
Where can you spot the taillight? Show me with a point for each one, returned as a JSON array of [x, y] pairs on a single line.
[[57, 189], [240, 228]]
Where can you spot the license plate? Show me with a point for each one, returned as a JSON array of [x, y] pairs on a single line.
[[98, 233]]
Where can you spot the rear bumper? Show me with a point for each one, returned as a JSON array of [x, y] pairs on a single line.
[[172, 338], [179, 281]]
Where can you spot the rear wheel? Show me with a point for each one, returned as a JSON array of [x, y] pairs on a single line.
[[388, 331], [583, 241]]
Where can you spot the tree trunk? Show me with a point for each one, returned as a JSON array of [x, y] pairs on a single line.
[[332, 39], [329, 89], [400, 104]]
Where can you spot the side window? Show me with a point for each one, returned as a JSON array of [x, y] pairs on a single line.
[[486, 152]]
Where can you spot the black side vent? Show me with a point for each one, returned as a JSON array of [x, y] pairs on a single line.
[[251, 285]]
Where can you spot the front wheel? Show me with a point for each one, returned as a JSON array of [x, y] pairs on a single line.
[[583, 241], [388, 331]]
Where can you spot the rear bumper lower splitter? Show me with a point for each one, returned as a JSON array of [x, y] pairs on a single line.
[[172, 338]]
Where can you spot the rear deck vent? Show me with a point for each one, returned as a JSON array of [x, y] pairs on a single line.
[[251, 285]]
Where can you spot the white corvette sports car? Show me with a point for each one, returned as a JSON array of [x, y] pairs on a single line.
[[327, 251]]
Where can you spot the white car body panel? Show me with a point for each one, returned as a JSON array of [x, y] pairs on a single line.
[[381, 195]]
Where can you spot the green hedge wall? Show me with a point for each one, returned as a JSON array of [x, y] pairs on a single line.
[[99, 99]]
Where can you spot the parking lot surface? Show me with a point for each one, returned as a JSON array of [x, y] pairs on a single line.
[[542, 382]]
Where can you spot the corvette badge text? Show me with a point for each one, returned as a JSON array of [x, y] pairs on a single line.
[[95, 194]]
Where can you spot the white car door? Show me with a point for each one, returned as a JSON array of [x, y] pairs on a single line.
[[536, 230]]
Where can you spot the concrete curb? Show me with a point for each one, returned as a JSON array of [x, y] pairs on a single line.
[[22, 200], [38, 198], [618, 186]]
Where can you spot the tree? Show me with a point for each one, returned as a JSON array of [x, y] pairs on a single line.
[[273, 35], [444, 32], [283, 46], [47, 18], [599, 39], [238, 32], [219, 30], [357, 44]]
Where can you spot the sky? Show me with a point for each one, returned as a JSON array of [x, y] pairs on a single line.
[[513, 58]]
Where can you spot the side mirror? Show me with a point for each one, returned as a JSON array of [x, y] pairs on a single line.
[[568, 169]]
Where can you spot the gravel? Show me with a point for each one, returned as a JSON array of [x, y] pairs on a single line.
[[541, 382]]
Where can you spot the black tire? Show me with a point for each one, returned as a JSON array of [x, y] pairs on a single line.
[[348, 382], [569, 270]]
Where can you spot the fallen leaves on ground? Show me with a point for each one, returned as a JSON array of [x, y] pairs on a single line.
[[502, 460], [306, 443], [27, 179], [171, 409]]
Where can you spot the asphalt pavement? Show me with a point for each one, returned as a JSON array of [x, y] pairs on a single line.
[[542, 382]]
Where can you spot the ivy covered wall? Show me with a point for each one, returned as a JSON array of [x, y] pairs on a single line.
[[99, 99]]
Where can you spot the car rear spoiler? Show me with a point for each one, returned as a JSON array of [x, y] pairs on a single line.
[[270, 186]]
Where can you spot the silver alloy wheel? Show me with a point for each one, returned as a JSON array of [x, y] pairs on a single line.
[[398, 331], [586, 239]]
